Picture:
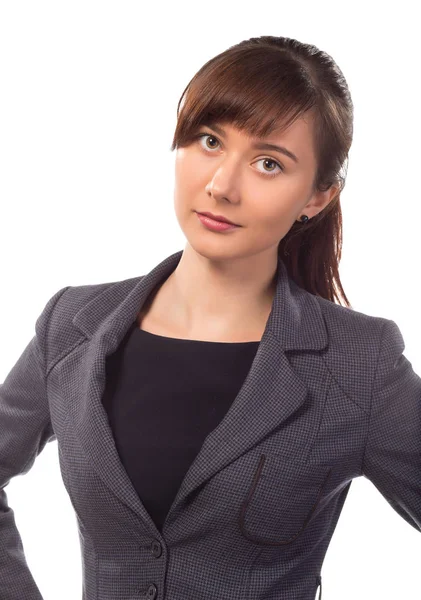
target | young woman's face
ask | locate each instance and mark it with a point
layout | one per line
(262, 190)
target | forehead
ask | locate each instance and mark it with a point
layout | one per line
(300, 132)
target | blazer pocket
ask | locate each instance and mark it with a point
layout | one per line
(282, 499)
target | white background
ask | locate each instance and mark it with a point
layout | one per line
(87, 113)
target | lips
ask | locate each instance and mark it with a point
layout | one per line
(219, 218)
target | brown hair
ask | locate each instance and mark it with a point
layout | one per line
(266, 83)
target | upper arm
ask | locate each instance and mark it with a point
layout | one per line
(392, 459)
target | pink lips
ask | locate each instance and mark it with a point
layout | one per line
(215, 225)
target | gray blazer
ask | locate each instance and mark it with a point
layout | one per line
(329, 397)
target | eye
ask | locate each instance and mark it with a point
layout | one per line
(266, 159)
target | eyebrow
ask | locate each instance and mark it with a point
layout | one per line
(261, 145)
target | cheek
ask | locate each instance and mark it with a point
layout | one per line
(276, 214)
(183, 182)
(188, 188)
(189, 170)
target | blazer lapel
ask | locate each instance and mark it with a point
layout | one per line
(272, 387)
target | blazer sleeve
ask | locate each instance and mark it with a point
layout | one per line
(25, 428)
(392, 459)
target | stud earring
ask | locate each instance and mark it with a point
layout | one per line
(303, 219)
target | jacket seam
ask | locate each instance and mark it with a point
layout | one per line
(41, 351)
(341, 388)
(47, 330)
(64, 354)
(371, 397)
(40, 358)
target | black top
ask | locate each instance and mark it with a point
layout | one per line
(163, 396)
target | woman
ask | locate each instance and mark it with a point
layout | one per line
(212, 414)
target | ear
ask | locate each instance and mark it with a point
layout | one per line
(319, 200)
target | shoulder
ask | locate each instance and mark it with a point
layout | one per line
(56, 322)
(355, 349)
(78, 296)
(346, 324)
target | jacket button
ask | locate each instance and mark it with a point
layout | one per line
(152, 592)
(156, 548)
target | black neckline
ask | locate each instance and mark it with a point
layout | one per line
(172, 339)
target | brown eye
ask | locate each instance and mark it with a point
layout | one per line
(210, 137)
(268, 160)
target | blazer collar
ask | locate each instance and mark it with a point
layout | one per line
(295, 320)
(273, 389)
